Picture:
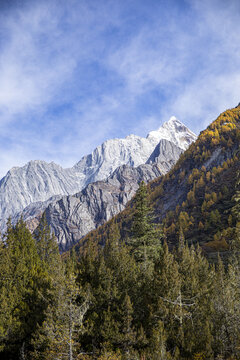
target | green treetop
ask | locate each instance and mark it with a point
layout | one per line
(146, 238)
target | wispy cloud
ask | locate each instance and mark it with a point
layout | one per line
(75, 73)
(29, 72)
(193, 64)
(47, 51)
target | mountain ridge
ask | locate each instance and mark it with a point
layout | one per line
(65, 214)
(38, 180)
(195, 196)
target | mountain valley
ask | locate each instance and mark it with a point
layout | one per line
(195, 197)
(40, 186)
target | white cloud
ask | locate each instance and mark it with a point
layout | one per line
(202, 101)
(44, 44)
(148, 60)
(192, 60)
(196, 65)
(30, 73)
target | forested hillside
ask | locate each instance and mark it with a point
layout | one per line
(141, 287)
(136, 301)
(196, 195)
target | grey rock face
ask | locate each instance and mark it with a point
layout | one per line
(72, 217)
(35, 210)
(35, 183)
(165, 155)
(133, 150)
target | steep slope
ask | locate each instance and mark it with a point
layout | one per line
(133, 150)
(196, 195)
(72, 217)
(38, 180)
(165, 154)
(174, 131)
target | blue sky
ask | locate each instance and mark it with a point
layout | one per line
(75, 73)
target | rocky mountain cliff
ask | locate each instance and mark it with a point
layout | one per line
(38, 181)
(133, 150)
(71, 217)
(195, 198)
(74, 216)
(165, 154)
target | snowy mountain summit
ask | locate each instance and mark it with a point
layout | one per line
(133, 150)
(175, 131)
(38, 181)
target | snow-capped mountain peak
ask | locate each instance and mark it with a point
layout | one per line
(38, 181)
(174, 124)
(175, 131)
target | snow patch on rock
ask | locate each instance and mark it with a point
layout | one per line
(38, 180)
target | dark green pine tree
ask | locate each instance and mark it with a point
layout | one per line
(232, 308)
(226, 312)
(181, 300)
(165, 287)
(58, 336)
(127, 334)
(110, 273)
(227, 292)
(6, 301)
(106, 305)
(158, 343)
(48, 251)
(47, 248)
(193, 304)
(24, 292)
(146, 237)
(73, 307)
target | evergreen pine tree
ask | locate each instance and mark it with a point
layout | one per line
(127, 334)
(47, 245)
(165, 288)
(196, 294)
(58, 338)
(24, 292)
(44, 341)
(146, 238)
(158, 343)
(226, 310)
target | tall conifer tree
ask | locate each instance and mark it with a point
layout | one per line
(146, 238)
(24, 289)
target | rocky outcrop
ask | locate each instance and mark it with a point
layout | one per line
(174, 131)
(133, 150)
(29, 189)
(36, 181)
(72, 217)
(165, 155)
(33, 212)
